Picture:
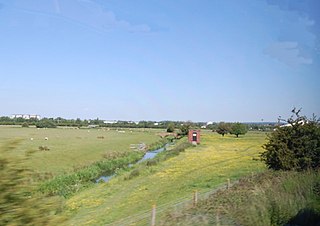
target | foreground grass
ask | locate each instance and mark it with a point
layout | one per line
(270, 198)
(201, 168)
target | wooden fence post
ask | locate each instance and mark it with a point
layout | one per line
(217, 219)
(228, 184)
(153, 216)
(195, 198)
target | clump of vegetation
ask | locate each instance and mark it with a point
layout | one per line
(25, 125)
(295, 146)
(170, 128)
(114, 155)
(44, 148)
(45, 123)
(184, 129)
(67, 184)
(134, 173)
(152, 162)
(270, 198)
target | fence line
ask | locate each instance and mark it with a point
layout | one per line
(148, 216)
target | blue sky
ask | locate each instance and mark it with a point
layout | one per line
(212, 60)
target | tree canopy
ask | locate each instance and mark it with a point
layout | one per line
(238, 129)
(223, 128)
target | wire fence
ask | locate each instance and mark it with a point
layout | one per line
(145, 217)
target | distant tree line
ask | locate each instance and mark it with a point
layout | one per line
(169, 125)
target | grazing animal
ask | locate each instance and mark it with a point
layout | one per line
(46, 138)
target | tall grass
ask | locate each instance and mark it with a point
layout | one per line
(66, 185)
(270, 198)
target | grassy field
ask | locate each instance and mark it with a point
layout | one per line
(127, 198)
(69, 147)
(124, 201)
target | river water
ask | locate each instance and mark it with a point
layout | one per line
(147, 155)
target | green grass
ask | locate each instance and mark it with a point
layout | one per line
(201, 168)
(128, 197)
(69, 148)
(269, 198)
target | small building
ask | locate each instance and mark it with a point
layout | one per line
(25, 116)
(194, 136)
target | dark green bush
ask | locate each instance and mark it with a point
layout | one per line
(295, 146)
(25, 124)
(44, 123)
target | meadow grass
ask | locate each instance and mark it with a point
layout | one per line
(69, 148)
(268, 198)
(203, 168)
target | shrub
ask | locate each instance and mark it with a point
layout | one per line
(45, 124)
(184, 129)
(295, 146)
(25, 125)
(44, 148)
(170, 128)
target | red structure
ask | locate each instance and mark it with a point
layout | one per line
(194, 136)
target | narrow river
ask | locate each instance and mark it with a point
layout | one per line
(147, 155)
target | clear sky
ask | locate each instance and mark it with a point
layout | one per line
(199, 60)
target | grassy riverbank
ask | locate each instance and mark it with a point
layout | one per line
(203, 168)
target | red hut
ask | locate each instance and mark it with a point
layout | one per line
(194, 136)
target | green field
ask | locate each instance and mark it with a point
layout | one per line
(201, 168)
(127, 198)
(69, 147)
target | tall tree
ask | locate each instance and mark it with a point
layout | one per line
(223, 128)
(238, 129)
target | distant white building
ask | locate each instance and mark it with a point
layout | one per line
(209, 123)
(25, 116)
(110, 121)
